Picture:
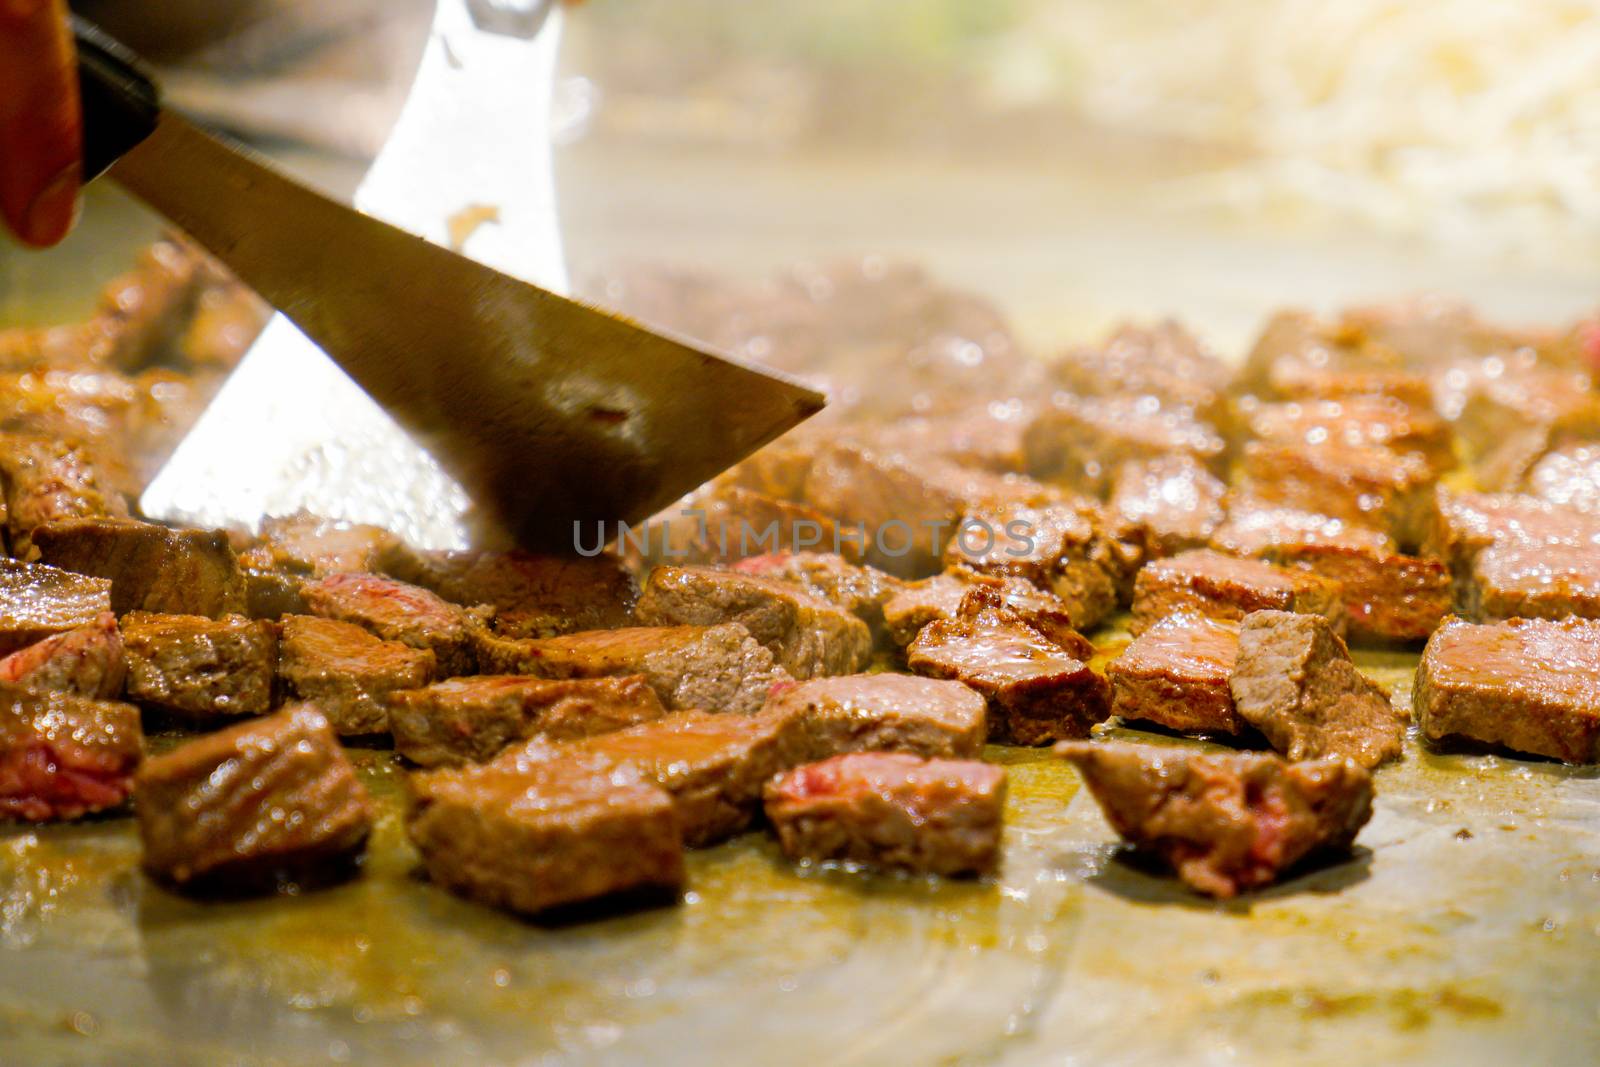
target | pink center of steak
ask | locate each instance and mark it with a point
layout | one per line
(39, 781)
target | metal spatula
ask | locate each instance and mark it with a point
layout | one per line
(546, 412)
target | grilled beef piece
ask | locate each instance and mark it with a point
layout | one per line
(1014, 600)
(725, 522)
(347, 672)
(64, 756)
(712, 765)
(87, 662)
(1036, 692)
(1296, 353)
(1081, 441)
(1175, 497)
(892, 810)
(1225, 824)
(887, 713)
(533, 596)
(718, 668)
(1468, 523)
(1164, 361)
(1524, 409)
(47, 480)
(1568, 475)
(1176, 673)
(226, 318)
(295, 548)
(808, 637)
(141, 312)
(1256, 526)
(1361, 486)
(1294, 681)
(858, 589)
(945, 596)
(469, 720)
(37, 602)
(533, 838)
(1530, 685)
(152, 568)
(1513, 580)
(202, 670)
(988, 437)
(1357, 422)
(269, 800)
(1224, 587)
(396, 611)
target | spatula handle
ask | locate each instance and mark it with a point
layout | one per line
(120, 99)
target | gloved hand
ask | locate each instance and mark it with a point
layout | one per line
(41, 130)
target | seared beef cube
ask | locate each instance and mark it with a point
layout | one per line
(1224, 587)
(1164, 361)
(533, 596)
(87, 662)
(892, 810)
(46, 480)
(469, 720)
(1512, 580)
(1081, 441)
(1530, 685)
(396, 611)
(152, 568)
(858, 589)
(887, 713)
(530, 839)
(64, 756)
(1523, 404)
(1468, 523)
(1363, 486)
(960, 592)
(1296, 351)
(1016, 600)
(142, 311)
(1056, 547)
(37, 602)
(782, 467)
(712, 765)
(1357, 422)
(1225, 824)
(1175, 674)
(988, 437)
(1294, 681)
(227, 317)
(198, 668)
(1568, 475)
(920, 603)
(347, 672)
(313, 547)
(718, 668)
(269, 799)
(1176, 497)
(724, 522)
(1256, 527)
(1307, 385)
(808, 637)
(1036, 692)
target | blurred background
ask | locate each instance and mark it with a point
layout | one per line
(1077, 161)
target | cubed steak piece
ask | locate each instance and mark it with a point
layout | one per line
(199, 669)
(1175, 674)
(1056, 547)
(1081, 441)
(949, 595)
(809, 637)
(1513, 580)
(37, 602)
(716, 668)
(347, 671)
(1530, 685)
(533, 595)
(268, 801)
(152, 568)
(397, 611)
(87, 662)
(1294, 681)
(1225, 587)
(1297, 353)
(64, 756)
(1036, 691)
(1372, 421)
(861, 590)
(1255, 526)
(892, 810)
(46, 480)
(534, 838)
(887, 713)
(722, 523)
(1164, 361)
(469, 720)
(1568, 475)
(314, 547)
(1375, 487)
(1176, 497)
(1225, 824)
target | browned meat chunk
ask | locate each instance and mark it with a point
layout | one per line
(1176, 497)
(87, 661)
(347, 672)
(152, 568)
(946, 596)
(1568, 475)
(396, 611)
(1225, 824)
(1519, 409)
(1017, 600)
(988, 437)
(1257, 526)
(892, 810)
(1468, 523)
(1176, 673)
(717, 668)
(1082, 441)
(808, 637)
(37, 602)
(268, 800)
(1358, 422)
(860, 590)
(887, 712)
(725, 522)
(313, 547)
(537, 837)
(533, 596)
(141, 311)
(1361, 486)
(198, 668)
(469, 720)
(1296, 353)
(1294, 681)
(46, 480)
(226, 319)
(1037, 693)
(1531, 685)
(1530, 581)
(1228, 588)
(63, 756)
(1164, 361)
